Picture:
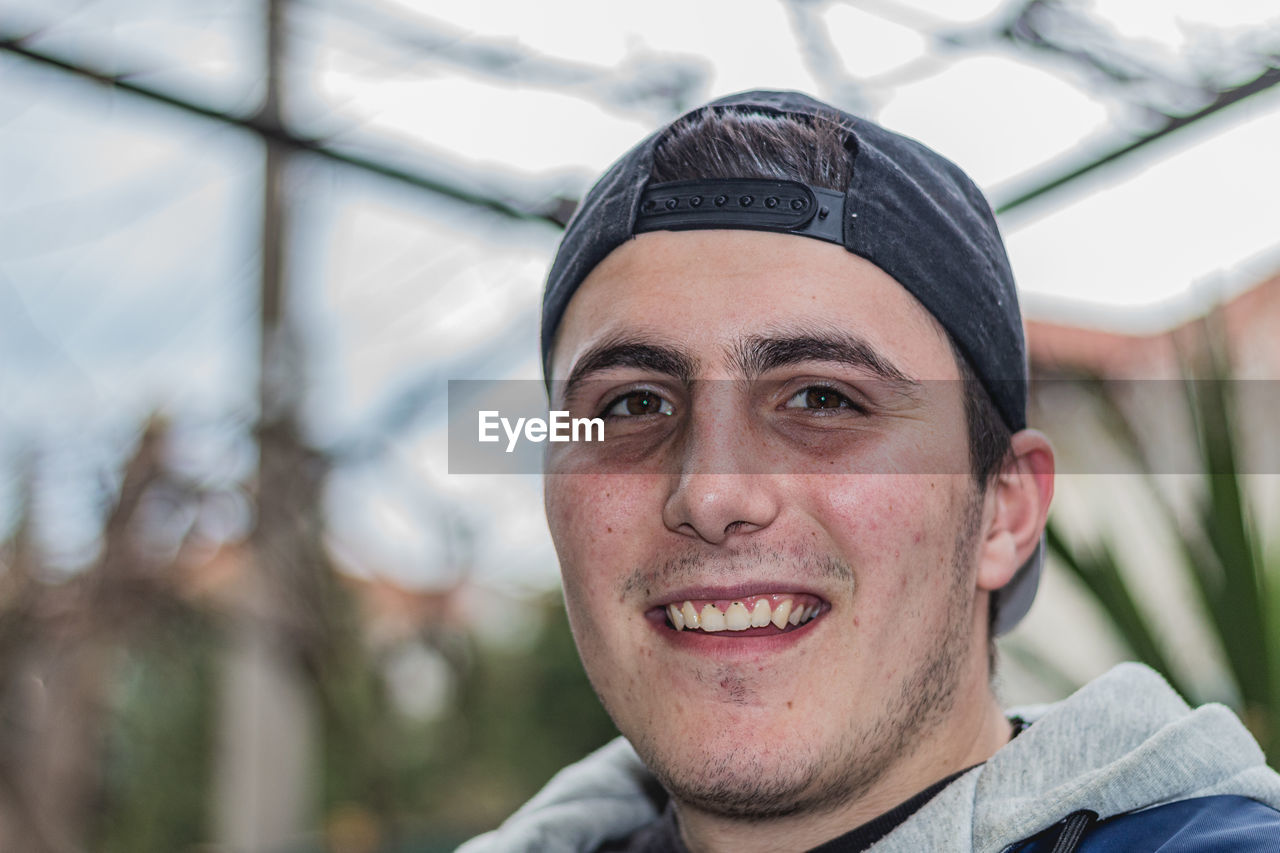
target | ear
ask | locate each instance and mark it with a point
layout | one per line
(1015, 509)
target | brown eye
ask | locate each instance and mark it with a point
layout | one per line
(639, 403)
(818, 397)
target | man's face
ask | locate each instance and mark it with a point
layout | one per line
(773, 434)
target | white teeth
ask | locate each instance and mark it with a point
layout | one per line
(737, 618)
(781, 613)
(760, 615)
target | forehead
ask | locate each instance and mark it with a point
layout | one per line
(706, 291)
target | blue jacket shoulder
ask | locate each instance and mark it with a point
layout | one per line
(1198, 825)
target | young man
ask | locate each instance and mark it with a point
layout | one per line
(816, 504)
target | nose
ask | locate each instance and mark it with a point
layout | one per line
(715, 495)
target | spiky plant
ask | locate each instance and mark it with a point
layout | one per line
(1217, 536)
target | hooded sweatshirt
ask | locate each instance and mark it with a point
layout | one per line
(1123, 748)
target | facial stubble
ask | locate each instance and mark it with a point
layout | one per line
(738, 784)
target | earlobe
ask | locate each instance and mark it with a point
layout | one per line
(1015, 509)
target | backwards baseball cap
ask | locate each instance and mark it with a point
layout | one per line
(906, 209)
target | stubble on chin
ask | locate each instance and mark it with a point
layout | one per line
(812, 778)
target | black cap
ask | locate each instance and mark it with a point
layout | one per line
(908, 210)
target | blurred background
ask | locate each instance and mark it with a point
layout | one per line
(244, 244)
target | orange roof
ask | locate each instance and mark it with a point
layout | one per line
(1251, 320)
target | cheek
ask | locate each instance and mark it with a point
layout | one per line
(603, 527)
(897, 532)
(598, 525)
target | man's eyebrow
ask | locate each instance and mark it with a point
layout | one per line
(759, 354)
(630, 352)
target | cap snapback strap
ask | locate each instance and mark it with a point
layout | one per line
(789, 207)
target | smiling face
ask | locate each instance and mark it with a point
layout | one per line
(772, 435)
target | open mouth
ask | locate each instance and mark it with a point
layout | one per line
(752, 615)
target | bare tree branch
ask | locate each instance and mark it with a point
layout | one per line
(1159, 86)
(548, 211)
(1039, 187)
(659, 86)
(823, 58)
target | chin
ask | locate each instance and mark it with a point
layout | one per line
(741, 783)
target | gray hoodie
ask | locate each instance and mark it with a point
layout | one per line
(1124, 742)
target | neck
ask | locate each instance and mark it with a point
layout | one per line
(961, 741)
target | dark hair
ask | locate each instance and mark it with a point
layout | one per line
(726, 144)
(718, 144)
